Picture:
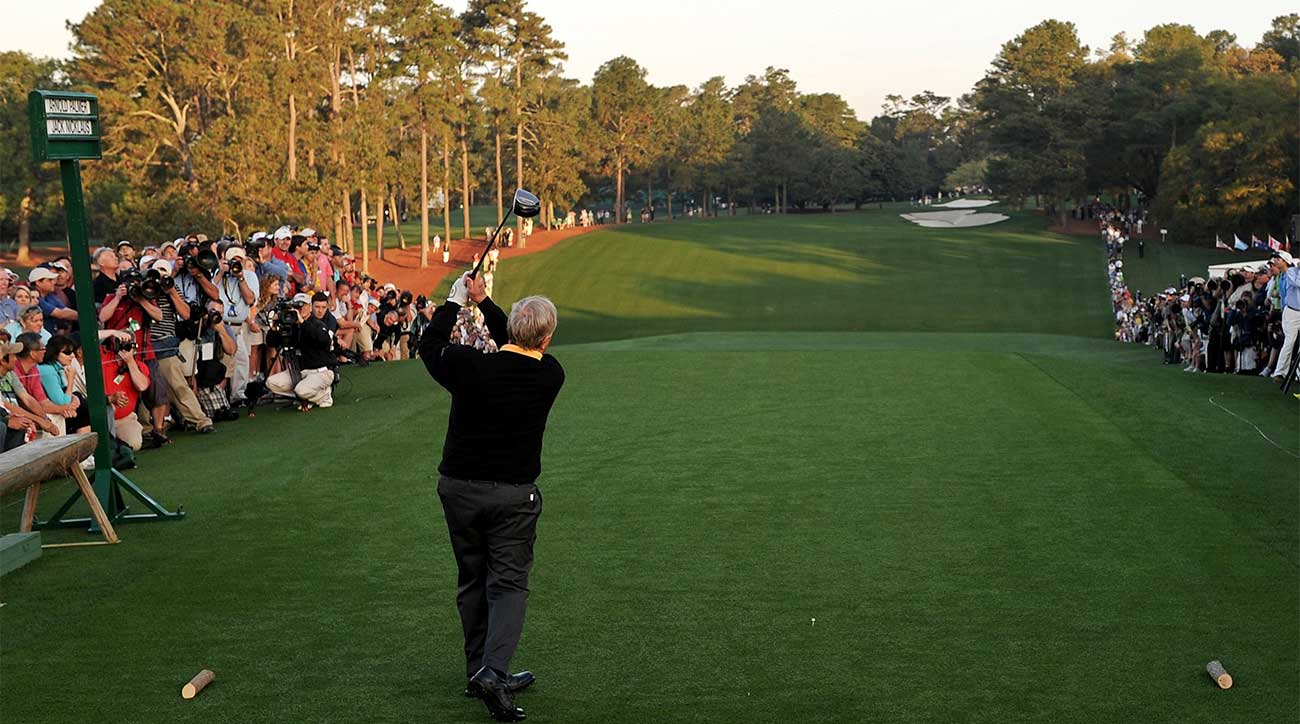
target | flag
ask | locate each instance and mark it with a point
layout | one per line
(1238, 244)
(1218, 243)
(1256, 243)
(1274, 244)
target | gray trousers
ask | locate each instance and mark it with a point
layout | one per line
(493, 527)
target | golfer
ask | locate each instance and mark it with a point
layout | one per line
(490, 463)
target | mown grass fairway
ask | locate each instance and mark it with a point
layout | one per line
(922, 439)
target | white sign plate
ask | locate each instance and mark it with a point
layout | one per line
(67, 105)
(69, 126)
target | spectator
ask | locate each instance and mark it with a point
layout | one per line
(26, 369)
(9, 308)
(20, 423)
(30, 319)
(59, 372)
(126, 254)
(106, 280)
(57, 314)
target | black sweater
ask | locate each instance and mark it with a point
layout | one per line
(499, 402)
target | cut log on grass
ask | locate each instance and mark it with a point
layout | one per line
(44, 459)
(195, 685)
(1220, 676)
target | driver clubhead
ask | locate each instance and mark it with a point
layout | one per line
(525, 205)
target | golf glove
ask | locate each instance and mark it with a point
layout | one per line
(459, 291)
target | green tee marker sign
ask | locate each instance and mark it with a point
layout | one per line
(65, 128)
(64, 125)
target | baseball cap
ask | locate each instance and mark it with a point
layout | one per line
(313, 245)
(162, 266)
(7, 348)
(301, 297)
(257, 236)
(234, 252)
(283, 233)
(63, 264)
(40, 273)
(123, 243)
(308, 231)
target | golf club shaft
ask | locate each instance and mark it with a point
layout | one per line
(491, 241)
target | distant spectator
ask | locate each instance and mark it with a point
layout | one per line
(30, 319)
(57, 314)
(9, 308)
(106, 280)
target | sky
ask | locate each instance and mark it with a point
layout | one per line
(858, 49)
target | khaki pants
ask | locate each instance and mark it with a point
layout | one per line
(314, 386)
(182, 397)
(129, 430)
(1290, 328)
(366, 338)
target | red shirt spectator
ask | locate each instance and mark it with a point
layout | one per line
(117, 379)
(130, 317)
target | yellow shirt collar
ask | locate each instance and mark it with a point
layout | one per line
(520, 350)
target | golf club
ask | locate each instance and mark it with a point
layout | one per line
(525, 206)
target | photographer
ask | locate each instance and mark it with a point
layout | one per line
(238, 287)
(214, 343)
(313, 380)
(167, 370)
(124, 379)
(127, 309)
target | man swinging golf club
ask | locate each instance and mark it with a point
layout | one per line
(490, 463)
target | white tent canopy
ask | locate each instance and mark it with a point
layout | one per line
(1219, 271)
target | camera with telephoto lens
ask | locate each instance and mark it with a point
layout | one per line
(141, 286)
(236, 266)
(405, 299)
(420, 303)
(114, 344)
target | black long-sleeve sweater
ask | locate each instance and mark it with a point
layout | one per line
(499, 402)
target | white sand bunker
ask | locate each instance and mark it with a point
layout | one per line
(965, 204)
(953, 219)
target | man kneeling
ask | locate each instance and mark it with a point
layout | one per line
(313, 381)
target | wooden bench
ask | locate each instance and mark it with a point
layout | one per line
(27, 466)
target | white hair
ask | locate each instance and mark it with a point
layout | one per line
(532, 320)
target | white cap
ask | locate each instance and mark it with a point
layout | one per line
(307, 232)
(234, 252)
(301, 297)
(166, 244)
(63, 264)
(147, 261)
(40, 273)
(179, 242)
(162, 266)
(283, 233)
(257, 235)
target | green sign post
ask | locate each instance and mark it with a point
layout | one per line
(65, 128)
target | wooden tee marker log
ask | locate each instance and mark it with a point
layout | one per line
(195, 685)
(1220, 676)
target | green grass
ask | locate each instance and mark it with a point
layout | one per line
(993, 513)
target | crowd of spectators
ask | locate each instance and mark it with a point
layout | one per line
(191, 331)
(1246, 322)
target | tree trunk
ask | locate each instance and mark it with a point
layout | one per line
(670, 205)
(25, 228)
(446, 190)
(424, 196)
(519, 143)
(785, 198)
(500, 209)
(379, 225)
(618, 193)
(365, 234)
(464, 183)
(338, 230)
(397, 227)
(348, 241)
(293, 139)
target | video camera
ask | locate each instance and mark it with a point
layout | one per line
(285, 324)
